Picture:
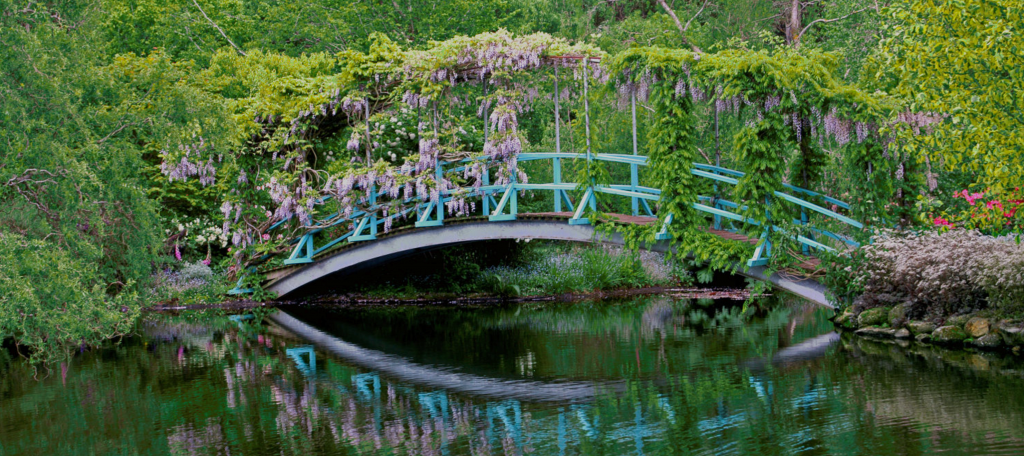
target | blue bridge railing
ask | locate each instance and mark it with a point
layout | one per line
(500, 203)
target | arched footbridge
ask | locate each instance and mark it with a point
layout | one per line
(345, 242)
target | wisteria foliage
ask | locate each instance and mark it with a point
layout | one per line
(279, 176)
(787, 97)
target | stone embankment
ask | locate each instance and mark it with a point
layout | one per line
(954, 332)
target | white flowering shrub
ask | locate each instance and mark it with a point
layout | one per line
(397, 132)
(196, 235)
(936, 272)
(196, 271)
(1002, 276)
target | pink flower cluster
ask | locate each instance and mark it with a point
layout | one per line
(970, 197)
(994, 204)
(998, 212)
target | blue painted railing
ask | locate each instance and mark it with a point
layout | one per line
(501, 203)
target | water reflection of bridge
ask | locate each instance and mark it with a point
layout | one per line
(451, 411)
(434, 420)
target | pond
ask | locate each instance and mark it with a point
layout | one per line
(650, 375)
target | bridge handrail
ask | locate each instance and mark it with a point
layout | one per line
(827, 198)
(423, 205)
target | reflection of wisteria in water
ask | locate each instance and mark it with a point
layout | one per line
(241, 386)
(370, 414)
(187, 439)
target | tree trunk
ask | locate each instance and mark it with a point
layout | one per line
(793, 27)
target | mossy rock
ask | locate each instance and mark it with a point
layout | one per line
(958, 320)
(977, 327)
(898, 314)
(902, 333)
(873, 317)
(923, 338)
(1012, 333)
(921, 327)
(949, 335)
(846, 320)
(988, 341)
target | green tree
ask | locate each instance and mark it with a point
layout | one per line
(77, 232)
(959, 67)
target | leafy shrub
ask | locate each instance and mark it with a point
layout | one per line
(54, 303)
(938, 273)
(841, 279)
(497, 285)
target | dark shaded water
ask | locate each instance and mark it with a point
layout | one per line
(646, 376)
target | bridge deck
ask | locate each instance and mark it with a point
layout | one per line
(808, 265)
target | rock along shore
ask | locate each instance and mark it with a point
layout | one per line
(960, 331)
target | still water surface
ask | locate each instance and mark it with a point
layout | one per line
(653, 375)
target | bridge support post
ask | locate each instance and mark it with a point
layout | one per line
(486, 198)
(634, 172)
(663, 234)
(241, 278)
(763, 252)
(587, 201)
(368, 221)
(806, 249)
(718, 205)
(556, 177)
(439, 177)
(437, 207)
(556, 163)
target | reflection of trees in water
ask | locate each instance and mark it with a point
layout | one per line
(651, 317)
(962, 391)
(695, 393)
(677, 333)
(648, 316)
(254, 390)
(701, 410)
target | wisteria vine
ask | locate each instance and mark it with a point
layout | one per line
(281, 180)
